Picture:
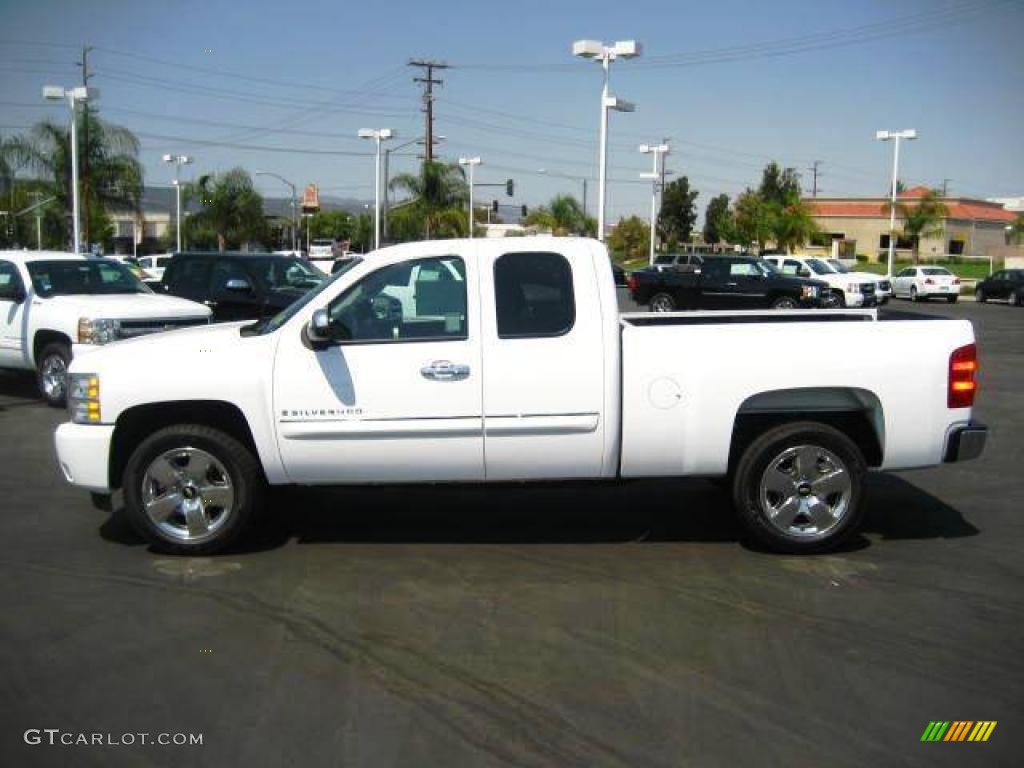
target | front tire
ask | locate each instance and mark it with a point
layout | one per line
(192, 490)
(952, 299)
(784, 302)
(834, 300)
(798, 488)
(662, 302)
(52, 373)
(913, 293)
(1015, 299)
(979, 295)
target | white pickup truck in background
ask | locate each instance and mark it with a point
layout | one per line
(507, 360)
(849, 289)
(55, 306)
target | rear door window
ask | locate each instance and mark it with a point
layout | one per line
(189, 276)
(533, 295)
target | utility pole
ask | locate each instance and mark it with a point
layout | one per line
(429, 81)
(84, 170)
(814, 170)
(945, 186)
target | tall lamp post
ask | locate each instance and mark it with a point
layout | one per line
(73, 96)
(295, 206)
(378, 135)
(178, 161)
(658, 152)
(909, 134)
(472, 162)
(606, 54)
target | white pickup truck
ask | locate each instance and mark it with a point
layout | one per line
(55, 306)
(849, 289)
(507, 360)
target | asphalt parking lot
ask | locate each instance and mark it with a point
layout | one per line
(572, 625)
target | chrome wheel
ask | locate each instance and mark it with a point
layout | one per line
(187, 494)
(805, 491)
(53, 375)
(784, 303)
(662, 303)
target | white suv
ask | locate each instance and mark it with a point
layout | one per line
(55, 306)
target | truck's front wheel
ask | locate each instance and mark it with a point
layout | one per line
(52, 373)
(663, 302)
(190, 489)
(798, 488)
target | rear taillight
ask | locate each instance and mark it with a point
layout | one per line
(956, 281)
(929, 281)
(963, 365)
(633, 282)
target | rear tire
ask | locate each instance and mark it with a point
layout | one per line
(785, 302)
(952, 299)
(798, 488)
(192, 490)
(1015, 299)
(52, 373)
(913, 293)
(662, 302)
(979, 295)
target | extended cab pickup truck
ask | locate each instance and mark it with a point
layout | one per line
(507, 360)
(725, 282)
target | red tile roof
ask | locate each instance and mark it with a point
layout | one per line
(959, 208)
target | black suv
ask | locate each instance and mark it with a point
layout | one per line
(1005, 284)
(240, 286)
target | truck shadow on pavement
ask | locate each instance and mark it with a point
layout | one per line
(20, 388)
(689, 510)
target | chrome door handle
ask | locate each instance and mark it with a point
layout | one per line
(445, 370)
(732, 285)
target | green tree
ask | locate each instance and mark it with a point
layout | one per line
(333, 224)
(231, 210)
(922, 218)
(753, 219)
(792, 224)
(562, 216)
(439, 197)
(719, 224)
(631, 238)
(779, 186)
(678, 212)
(110, 175)
(1017, 229)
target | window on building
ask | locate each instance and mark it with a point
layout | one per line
(956, 247)
(125, 228)
(149, 230)
(904, 243)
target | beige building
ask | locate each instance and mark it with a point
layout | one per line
(972, 228)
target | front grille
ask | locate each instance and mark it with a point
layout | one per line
(132, 328)
(884, 285)
(868, 289)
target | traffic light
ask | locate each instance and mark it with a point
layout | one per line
(510, 187)
(524, 210)
(494, 206)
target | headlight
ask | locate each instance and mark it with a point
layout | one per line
(853, 288)
(809, 291)
(95, 331)
(84, 398)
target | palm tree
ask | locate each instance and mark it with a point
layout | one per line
(439, 195)
(562, 216)
(110, 174)
(923, 219)
(792, 223)
(230, 208)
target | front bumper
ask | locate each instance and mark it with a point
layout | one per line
(965, 442)
(83, 454)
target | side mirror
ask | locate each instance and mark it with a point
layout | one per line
(319, 328)
(803, 273)
(238, 285)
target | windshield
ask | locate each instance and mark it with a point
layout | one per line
(68, 277)
(935, 271)
(289, 274)
(819, 267)
(839, 267)
(282, 317)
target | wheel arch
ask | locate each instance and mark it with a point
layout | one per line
(135, 424)
(855, 412)
(44, 337)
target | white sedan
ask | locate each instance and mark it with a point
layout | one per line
(920, 283)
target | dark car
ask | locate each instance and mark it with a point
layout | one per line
(240, 286)
(725, 282)
(1005, 284)
(619, 275)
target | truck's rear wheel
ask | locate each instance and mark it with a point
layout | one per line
(798, 488)
(784, 302)
(663, 302)
(190, 489)
(52, 373)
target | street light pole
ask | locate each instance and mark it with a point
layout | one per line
(472, 162)
(295, 206)
(606, 54)
(908, 134)
(72, 96)
(657, 152)
(178, 161)
(378, 135)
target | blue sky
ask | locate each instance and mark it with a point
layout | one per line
(516, 97)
